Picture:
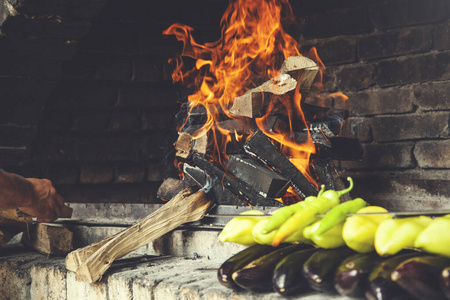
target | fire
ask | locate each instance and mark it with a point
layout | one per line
(250, 51)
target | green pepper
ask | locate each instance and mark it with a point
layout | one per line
(239, 229)
(308, 214)
(359, 231)
(260, 236)
(435, 238)
(330, 239)
(394, 235)
(338, 214)
(282, 214)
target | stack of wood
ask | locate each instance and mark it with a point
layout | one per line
(257, 172)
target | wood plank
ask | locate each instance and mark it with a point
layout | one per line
(185, 207)
(260, 146)
(48, 239)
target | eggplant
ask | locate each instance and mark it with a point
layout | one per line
(239, 260)
(287, 277)
(420, 276)
(320, 268)
(380, 285)
(257, 275)
(445, 282)
(352, 274)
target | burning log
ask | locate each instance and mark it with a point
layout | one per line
(260, 147)
(329, 176)
(48, 239)
(186, 144)
(302, 69)
(262, 179)
(239, 188)
(92, 261)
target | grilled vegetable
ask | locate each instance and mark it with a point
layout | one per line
(420, 276)
(445, 282)
(359, 231)
(308, 215)
(240, 260)
(287, 277)
(257, 275)
(338, 214)
(394, 235)
(351, 278)
(381, 286)
(432, 239)
(239, 229)
(320, 268)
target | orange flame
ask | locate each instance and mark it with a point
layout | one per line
(251, 49)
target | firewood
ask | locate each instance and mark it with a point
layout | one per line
(186, 144)
(329, 176)
(171, 187)
(185, 207)
(251, 103)
(265, 181)
(260, 146)
(48, 239)
(302, 69)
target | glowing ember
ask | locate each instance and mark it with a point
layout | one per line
(252, 47)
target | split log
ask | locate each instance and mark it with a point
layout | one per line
(251, 103)
(222, 195)
(329, 176)
(186, 144)
(183, 208)
(260, 146)
(171, 187)
(48, 239)
(302, 69)
(265, 181)
(239, 188)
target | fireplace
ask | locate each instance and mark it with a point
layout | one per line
(88, 100)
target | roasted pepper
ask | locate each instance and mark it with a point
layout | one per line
(239, 229)
(435, 238)
(359, 231)
(307, 215)
(338, 214)
(394, 235)
(330, 239)
(282, 214)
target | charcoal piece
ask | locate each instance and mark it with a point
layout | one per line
(329, 176)
(267, 182)
(260, 146)
(223, 196)
(239, 188)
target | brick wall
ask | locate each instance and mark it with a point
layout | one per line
(88, 102)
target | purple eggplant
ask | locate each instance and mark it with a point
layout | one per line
(445, 282)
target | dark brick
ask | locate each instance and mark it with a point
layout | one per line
(337, 22)
(433, 154)
(29, 67)
(109, 149)
(119, 193)
(412, 126)
(14, 136)
(158, 172)
(92, 121)
(159, 145)
(21, 113)
(84, 94)
(45, 27)
(129, 173)
(155, 120)
(355, 77)
(396, 42)
(61, 173)
(146, 96)
(125, 121)
(414, 69)
(397, 13)
(442, 36)
(381, 101)
(54, 148)
(114, 68)
(357, 128)
(433, 96)
(113, 38)
(148, 70)
(384, 156)
(306, 7)
(66, 8)
(93, 174)
(13, 157)
(154, 43)
(336, 51)
(86, 8)
(38, 48)
(54, 120)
